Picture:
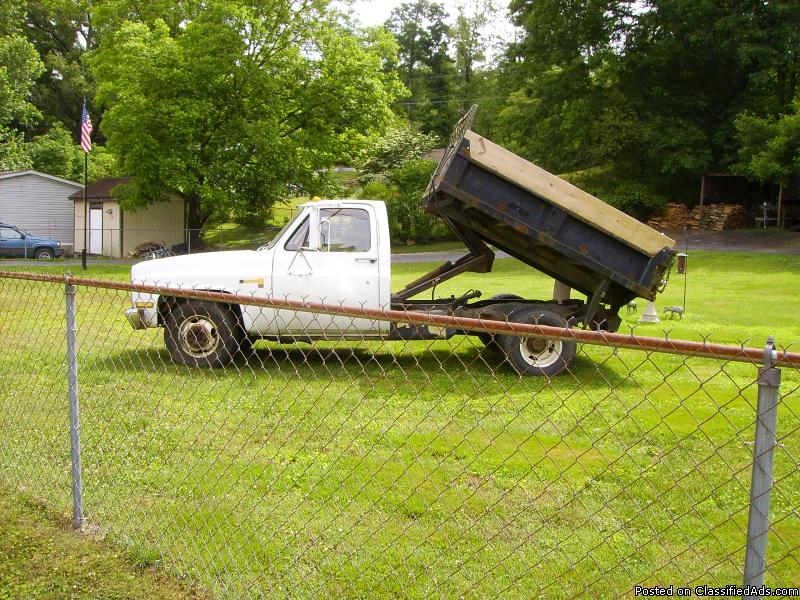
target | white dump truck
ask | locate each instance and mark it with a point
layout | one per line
(337, 253)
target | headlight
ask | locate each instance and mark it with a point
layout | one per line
(58, 243)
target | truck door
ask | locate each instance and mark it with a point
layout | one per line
(331, 259)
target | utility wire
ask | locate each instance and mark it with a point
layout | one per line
(448, 101)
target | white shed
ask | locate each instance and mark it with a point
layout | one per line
(39, 204)
(112, 231)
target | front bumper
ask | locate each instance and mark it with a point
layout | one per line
(136, 318)
(59, 252)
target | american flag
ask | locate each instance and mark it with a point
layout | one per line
(86, 129)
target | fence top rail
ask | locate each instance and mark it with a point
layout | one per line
(704, 349)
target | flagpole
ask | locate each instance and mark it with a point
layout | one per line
(85, 207)
(86, 145)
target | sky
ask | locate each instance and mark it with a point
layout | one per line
(376, 12)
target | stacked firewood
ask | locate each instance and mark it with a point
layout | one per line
(719, 217)
(674, 216)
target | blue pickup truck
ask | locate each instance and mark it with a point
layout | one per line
(17, 244)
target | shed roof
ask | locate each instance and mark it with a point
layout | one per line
(12, 174)
(101, 189)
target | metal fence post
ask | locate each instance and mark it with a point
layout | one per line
(769, 381)
(74, 423)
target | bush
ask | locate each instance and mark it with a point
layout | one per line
(402, 193)
(636, 198)
(397, 147)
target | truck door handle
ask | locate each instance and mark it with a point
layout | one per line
(366, 259)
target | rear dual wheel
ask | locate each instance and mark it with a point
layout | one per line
(490, 339)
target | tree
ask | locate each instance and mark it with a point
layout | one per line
(467, 37)
(13, 151)
(561, 73)
(61, 32)
(424, 65)
(770, 148)
(646, 93)
(402, 189)
(395, 148)
(19, 68)
(241, 104)
(55, 153)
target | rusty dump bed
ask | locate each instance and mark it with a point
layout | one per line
(490, 195)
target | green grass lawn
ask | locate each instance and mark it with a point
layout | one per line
(43, 558)
(380, 469)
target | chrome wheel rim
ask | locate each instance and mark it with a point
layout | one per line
(198, 336)
(540, 352)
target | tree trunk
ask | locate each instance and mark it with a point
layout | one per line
(195, 219)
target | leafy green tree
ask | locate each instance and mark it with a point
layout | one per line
(396, 147)
(392, 168)
(61, 32)
(468, 37)
(236, 105)
(13, 151)
(402, 190)
(19, 68)
(424, 64)
(57, 154)
(770, 148)
(561, 73)
(769, 52)
(647, 91)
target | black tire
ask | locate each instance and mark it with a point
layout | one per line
(44, 254)
(490, 339)
(202, 334)
(536, 356)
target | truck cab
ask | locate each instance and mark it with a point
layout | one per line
(334, 252)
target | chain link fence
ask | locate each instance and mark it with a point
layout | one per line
(369, 467)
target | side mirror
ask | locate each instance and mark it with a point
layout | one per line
(324, 235)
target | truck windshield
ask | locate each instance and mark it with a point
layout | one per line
(286, 227)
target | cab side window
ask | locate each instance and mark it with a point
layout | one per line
(344, 230)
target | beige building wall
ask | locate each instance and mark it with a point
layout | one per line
(159, 222)
(112, 243)
(111, 226)
(78, 246)
(123, 230)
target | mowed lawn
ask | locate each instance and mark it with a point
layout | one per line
(382, 469)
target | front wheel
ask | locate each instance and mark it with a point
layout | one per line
(44, 254)
(202, 334)
(538, 356)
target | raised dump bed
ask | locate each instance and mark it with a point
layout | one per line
(490, 195)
